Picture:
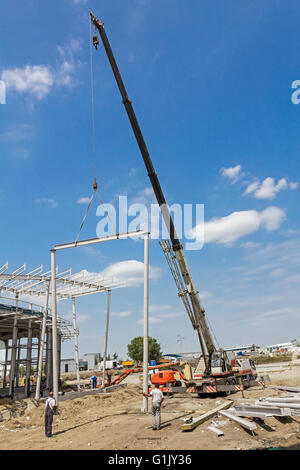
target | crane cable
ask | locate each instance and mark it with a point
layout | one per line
(95, 185)
(92, 101)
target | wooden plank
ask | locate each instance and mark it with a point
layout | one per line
(205, 416)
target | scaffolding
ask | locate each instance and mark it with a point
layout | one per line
(29, 329)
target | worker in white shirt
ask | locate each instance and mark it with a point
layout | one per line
(49, 412)
(157, 399)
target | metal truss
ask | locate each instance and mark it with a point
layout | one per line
(37, 283)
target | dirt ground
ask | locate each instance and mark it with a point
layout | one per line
(114, 421)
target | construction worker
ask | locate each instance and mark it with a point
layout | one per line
(94, 381)
(157, 399)
(49, 412)
(109, 377)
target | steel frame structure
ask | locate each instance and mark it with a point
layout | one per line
(17, 322)
(55, 293)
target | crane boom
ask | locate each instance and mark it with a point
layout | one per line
(197, 313)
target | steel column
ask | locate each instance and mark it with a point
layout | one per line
(76, 343)
(28, 359)
(106, 337)
(42, 343)
(48, 358)
(13, 359)
(18, 362)
(146, 322)
(54, 326)
(5, 364)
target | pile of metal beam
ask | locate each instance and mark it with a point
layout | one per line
(290, 403)
(260, 411)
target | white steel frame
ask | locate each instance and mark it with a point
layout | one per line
(54, 294)
(67, 286)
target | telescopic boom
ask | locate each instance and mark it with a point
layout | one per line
(190, 294)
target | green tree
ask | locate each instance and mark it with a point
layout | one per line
(136, 346)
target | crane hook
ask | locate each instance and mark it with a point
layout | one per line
(95, 41)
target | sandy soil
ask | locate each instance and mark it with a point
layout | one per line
(114, 421)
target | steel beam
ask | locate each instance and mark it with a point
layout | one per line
(242, 422)
(216, 430)
(285, 389)
(295, 406)
(247, 410)
(92, 241)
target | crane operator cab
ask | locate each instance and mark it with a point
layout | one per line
(221, 362)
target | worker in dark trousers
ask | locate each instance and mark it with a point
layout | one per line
(109, 377)
(94, 381)
(49, 412)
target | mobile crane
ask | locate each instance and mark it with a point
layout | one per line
(218, 367)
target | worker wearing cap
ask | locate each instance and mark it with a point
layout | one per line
(49, 412)
(157, 399)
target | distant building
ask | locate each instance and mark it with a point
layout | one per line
(280, 347)
(92, 359)
(89, 361)
(293, 345)
(67, 365)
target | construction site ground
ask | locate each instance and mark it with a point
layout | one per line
(114, 421)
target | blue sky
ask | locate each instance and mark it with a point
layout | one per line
(210, 83)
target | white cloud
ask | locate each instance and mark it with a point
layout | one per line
(133, 172)
(83, 200)
(252, 187)
(38, 80)
(205, 295)
(233, 173)
(250, 245)
(285, 311)
(34, 79)
(145, 196)
(170, 315)
(226, 230)
(121, 314)
(268, 189)
(131, 272)
(151, 320)
(45, 200)
(82, 318)
(65, 73)
(159, 308)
